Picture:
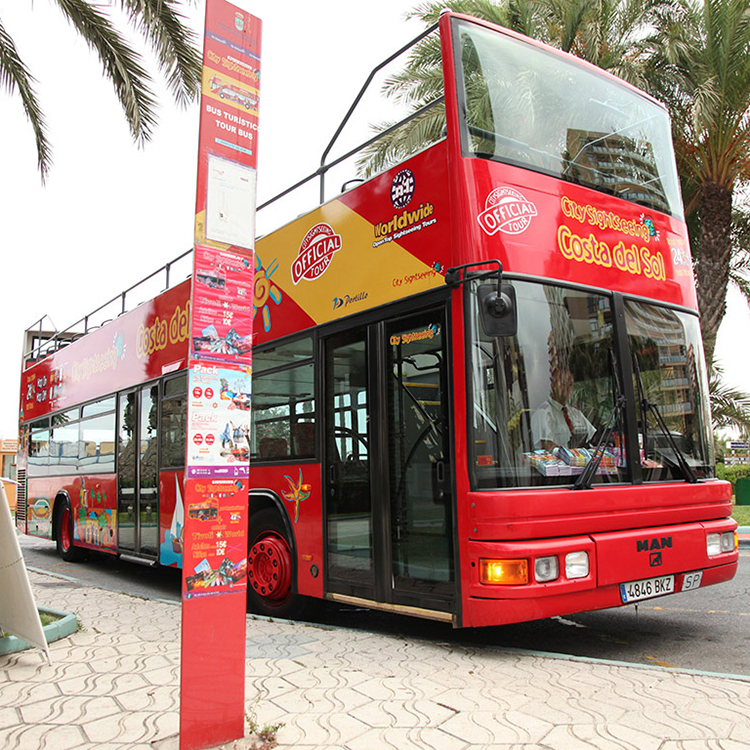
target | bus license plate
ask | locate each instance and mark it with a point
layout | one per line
(692, 580)
(646, 588)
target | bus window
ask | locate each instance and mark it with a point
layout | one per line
(174, 422)
(527, 107)
(281, 356)
(541, 397)
(64, 443)
(97, 452)
(176, 386)
(99, 407)
(39, 448)
(669, 371)
(283, 424)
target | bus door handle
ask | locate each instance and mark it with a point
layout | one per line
(332, 475)
(440, 472)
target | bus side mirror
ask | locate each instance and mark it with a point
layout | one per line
(497, 309)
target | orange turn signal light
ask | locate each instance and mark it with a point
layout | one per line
(504, 572)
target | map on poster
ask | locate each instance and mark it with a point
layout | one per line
(222, 306)
(230, 202)
(219, 421)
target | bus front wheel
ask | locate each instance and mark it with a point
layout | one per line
(64, 533)
(271, 588)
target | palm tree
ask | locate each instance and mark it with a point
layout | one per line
(700, 67)
(159, 22)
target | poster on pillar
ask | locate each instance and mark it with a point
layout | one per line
(214, 574)
(221, 312)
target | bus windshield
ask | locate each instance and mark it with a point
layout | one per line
(522, 107)
(541, 400)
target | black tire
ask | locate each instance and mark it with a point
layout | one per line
(64, 533)
(271, 572)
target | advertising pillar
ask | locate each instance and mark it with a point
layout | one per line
(214, 573)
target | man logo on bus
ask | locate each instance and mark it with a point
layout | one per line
(507, 211)
(315, 253)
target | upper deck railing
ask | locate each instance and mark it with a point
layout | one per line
(40, 342)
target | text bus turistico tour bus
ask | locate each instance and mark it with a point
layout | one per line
(479, 393)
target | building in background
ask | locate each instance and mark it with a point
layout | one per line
(8, 451)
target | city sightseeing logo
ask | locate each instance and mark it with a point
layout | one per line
(506, 210)
(315, 253)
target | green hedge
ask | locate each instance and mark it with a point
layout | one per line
(732, 473)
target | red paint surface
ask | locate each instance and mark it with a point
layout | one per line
(93, 503)
(305, 517)
(214, 572)
(212, 684)
(145, 343)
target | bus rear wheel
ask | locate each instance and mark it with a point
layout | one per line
(64, 533)
(271, 588)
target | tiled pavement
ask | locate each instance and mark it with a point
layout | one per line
(115, 684)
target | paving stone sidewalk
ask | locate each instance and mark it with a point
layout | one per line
(114, 684)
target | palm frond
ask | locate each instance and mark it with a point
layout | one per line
(14, 76)
(120, 63)
(405, 140)
(730, 407)
(161, 24)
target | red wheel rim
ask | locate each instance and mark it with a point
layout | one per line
(270, 568)
(65, 536)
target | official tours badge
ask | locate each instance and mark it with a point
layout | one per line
(506, 210)
(315, 253)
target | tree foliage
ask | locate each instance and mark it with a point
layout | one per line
(158, 22)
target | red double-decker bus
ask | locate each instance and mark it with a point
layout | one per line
(479, 392)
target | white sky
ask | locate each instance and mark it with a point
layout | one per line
(111, 213)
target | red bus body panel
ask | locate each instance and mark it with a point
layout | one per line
(145, 343)
(298, 487)
(93, 504)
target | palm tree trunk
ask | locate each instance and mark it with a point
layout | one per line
(712, 260)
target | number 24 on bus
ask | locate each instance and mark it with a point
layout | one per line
(494, 414)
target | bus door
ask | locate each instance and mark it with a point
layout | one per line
(137, 472)
(419, 476)
(348, 445)
(388, 498)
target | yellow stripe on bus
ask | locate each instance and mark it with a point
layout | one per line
(359, 276)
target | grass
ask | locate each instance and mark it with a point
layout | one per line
(45, 617)
(741, 514)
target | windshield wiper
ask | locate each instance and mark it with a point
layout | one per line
(592, 465)
(647, 406)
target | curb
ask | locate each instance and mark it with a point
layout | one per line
(66, 625)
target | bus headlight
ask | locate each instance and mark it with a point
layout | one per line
(546, 569)
(716, 544)
(504, 572)
(576, 564)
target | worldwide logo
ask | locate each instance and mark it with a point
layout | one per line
(506, 210)
(315, 253)
(402, 188)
